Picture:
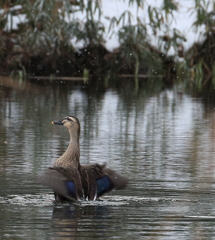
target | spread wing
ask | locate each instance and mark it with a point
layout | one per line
(110, 180)
(98, 180)
(63, 181)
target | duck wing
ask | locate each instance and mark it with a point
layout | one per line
(64, 181)
(117, 180)
(98, 180)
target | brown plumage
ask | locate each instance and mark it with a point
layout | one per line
(72, 181)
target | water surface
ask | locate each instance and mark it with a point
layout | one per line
(161, 140)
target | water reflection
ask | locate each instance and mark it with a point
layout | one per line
(162, 140)
(70, 220)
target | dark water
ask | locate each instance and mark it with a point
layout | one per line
(162, 140)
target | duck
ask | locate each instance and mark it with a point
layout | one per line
(72, 181)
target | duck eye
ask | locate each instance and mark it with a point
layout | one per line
(67, 119)
(70, 119)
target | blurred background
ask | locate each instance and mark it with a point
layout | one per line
(164, 38)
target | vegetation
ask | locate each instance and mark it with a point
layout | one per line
(46, 38)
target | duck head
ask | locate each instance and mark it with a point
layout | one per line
(69, 122)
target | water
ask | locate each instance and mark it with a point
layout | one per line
(161, 140)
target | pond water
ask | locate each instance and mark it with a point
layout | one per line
(163, 141)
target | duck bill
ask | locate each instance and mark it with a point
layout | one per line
(57, 123)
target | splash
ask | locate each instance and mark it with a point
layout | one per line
(113, 200)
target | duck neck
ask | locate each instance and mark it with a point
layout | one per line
(72, 154)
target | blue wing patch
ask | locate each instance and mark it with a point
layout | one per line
(71, 188)
(104, 185)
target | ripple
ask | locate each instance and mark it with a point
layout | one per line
(113, 200)
(199, 218)
(136, 199)
(28, 199)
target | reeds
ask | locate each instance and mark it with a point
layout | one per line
(46, 40)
